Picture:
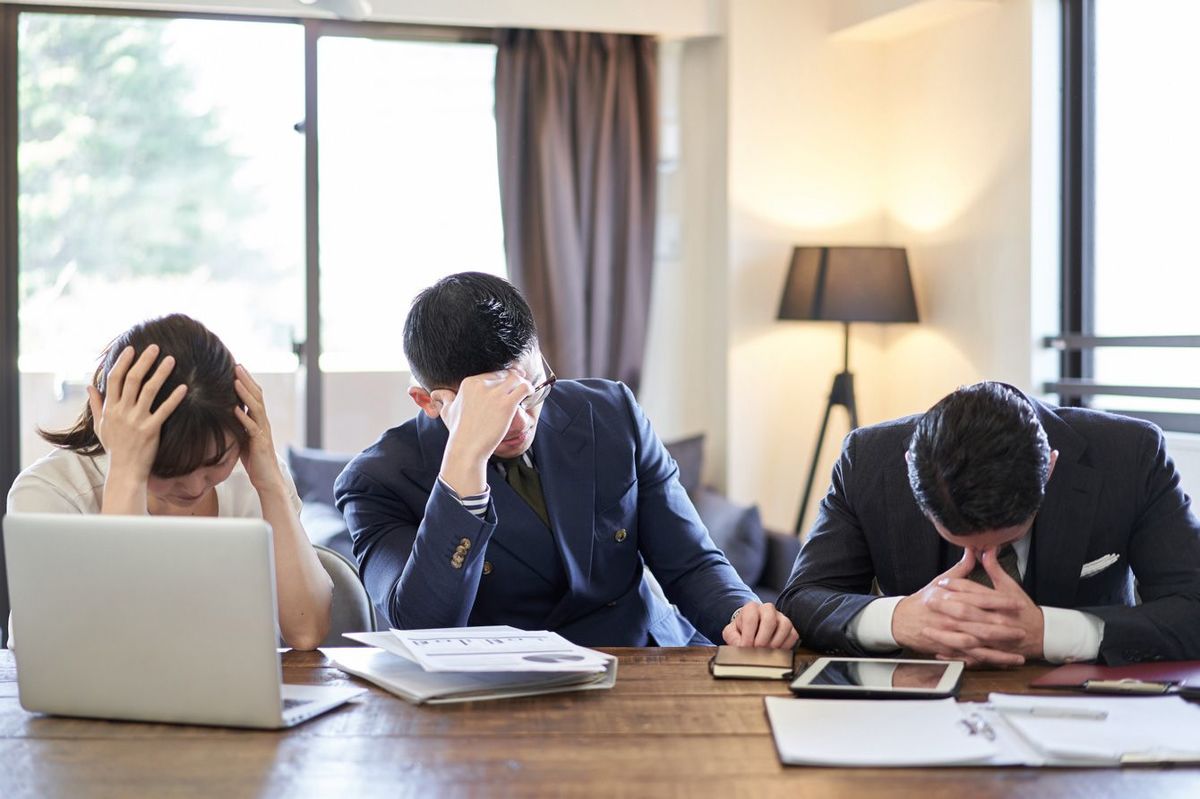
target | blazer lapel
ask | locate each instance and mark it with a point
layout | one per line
(1063, 526)
(564, 452)
(520, 531)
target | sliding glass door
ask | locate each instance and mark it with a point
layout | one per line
(408, 193)
(159, 171)
(162, 168)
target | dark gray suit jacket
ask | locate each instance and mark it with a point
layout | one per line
(1114, 490)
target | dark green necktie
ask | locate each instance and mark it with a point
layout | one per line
(1007, 558)
(525, 481)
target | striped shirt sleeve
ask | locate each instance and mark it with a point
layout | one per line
(476, 504)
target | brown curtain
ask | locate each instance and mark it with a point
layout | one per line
(576, 120)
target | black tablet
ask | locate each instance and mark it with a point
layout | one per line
(879, 678)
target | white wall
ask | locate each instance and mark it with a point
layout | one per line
(958, 110)
(683, 385)
(806, 166)
(934, 140)
(1185, 450)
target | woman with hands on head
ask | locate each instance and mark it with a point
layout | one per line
(173, 426)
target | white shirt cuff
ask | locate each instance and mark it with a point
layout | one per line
(1070, 635)
(872, 627)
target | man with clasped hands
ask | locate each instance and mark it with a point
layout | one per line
(1000, 530)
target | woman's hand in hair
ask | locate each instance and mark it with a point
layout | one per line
(304, 589)
(124, 423)
(259, 458)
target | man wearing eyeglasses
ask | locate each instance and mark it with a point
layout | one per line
(517, 498)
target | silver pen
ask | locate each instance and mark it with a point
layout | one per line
(1052, 711)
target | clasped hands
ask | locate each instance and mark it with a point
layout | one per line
(954, 618)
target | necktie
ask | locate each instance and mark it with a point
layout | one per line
(525, 481)
(1007, 558)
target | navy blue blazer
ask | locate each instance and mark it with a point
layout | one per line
(615, 505)
(1114, 490)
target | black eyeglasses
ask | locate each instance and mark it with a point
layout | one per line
(541, 390)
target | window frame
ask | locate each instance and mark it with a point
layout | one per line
(1077, 340)
(309, 350)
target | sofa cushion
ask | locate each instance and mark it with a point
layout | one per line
(314, 471)
(737, 530)
(325, 526)
(781, 552)
(689, 454)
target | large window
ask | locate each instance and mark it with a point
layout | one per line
(156, 177)
(409, 193)
(1133, 270)
(161, 165)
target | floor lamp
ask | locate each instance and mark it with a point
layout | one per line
(845, 284)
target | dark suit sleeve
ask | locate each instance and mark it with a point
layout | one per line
(830, 583)
(1164, 554)
(404, 553)
(693, 572)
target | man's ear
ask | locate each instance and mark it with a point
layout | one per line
(431, 406)
(1053, 460)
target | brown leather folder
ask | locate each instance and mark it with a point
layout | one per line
(1160, 677)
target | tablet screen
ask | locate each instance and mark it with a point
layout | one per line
(880, 674)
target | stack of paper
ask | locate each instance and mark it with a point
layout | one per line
(1007, 730)
(473, 663)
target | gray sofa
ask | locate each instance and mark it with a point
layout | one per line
(763, 558)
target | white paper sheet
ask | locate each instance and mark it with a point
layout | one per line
(942, 732)
(497, 649)
(858, 732)
(1135, 729)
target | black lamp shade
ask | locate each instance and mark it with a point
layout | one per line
(849, 284)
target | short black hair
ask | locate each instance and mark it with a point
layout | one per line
(979, 459)
(466, 324)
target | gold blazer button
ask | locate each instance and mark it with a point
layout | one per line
(620, 535)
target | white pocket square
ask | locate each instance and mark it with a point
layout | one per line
(1098, 565)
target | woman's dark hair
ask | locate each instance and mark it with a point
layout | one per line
(979, 459)
(196, 433)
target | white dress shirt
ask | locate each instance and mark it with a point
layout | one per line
(1067, 636)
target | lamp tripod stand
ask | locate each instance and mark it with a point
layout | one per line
(842, 393)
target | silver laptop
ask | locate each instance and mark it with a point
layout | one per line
(151, 619)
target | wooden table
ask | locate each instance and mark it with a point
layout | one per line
(666, 729)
